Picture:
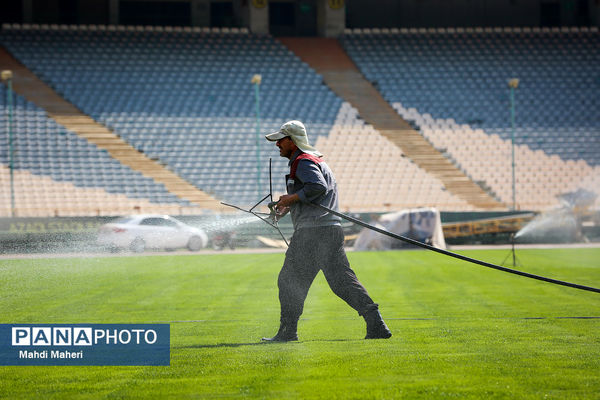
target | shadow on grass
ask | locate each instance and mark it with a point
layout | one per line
(224, 345)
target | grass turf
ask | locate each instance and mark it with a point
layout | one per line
(460, 330)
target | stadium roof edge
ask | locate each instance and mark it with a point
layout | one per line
(471, 30)
(356, 31)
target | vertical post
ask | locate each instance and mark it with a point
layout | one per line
(7, 76)
(514, 256)
(113, 12)
(256, 79)
(513, 84)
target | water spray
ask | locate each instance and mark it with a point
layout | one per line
(225, 224)
(273, 217)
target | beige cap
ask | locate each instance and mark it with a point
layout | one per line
(297, 132)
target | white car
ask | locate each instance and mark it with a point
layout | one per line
(139, 232)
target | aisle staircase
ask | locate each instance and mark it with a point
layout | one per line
(28, 85)
(328, 58)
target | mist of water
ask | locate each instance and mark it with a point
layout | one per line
(563, 224)
(84, 242)
(558, 225)
(225, 223)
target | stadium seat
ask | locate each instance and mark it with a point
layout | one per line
(464, 76)
(373, 175)
(487, 159)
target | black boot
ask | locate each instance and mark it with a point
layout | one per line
(376, 327)
(287, 332)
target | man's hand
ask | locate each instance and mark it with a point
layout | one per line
(283, 205)
(286, 201)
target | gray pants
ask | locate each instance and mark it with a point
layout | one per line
(312, 250)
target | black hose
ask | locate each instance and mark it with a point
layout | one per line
(460, 257)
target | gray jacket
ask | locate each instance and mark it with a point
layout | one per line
(314, 183)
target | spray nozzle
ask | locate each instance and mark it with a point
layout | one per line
(272, 206)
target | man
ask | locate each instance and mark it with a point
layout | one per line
(318, 240)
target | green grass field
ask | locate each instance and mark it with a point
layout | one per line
(460, 330)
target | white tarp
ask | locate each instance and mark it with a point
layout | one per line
(422, 224)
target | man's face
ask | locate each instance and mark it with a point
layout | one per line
(286, 147)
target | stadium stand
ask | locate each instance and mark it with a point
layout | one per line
(374, 174)
(28, 85)
(44, 148)
(342, 76)
(42, 196)
(487, 158)
(452, 84)
(182, 96)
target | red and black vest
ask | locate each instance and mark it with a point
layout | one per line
(290, 180)
(303, 156)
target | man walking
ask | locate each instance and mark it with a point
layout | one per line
(318, 240)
